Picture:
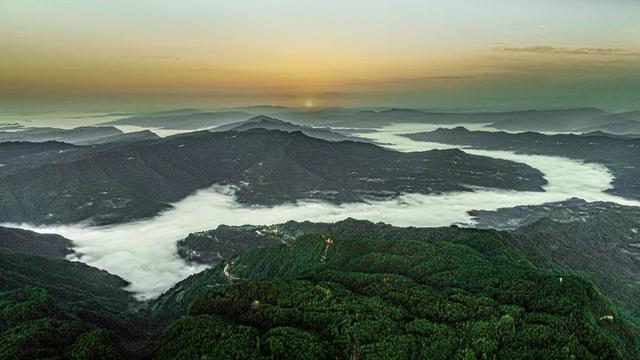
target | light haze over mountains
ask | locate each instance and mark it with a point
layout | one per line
(335, 179)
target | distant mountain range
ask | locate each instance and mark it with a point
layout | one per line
(182, 119)
(265, 122)
(87, 135)
(620, 154)
(562, 120)
(61, 183)
(570, 120)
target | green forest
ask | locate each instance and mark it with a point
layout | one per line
(350, 290)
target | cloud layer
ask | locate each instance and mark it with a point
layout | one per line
(144, 252)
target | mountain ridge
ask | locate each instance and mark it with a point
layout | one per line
(618, 154)
(120, 182)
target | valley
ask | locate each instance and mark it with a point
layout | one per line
(112, 248)
(319, 180)
(618, 154)
(125, 181)
(189, 251)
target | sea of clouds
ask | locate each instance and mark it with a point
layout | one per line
(144, 252)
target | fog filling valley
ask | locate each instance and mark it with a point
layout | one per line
(144, 252)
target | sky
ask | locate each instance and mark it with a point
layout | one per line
(72, 55)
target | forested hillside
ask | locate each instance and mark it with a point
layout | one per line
(352, 289)
(18, 241)
(375, 291)
(620, 154)
(598, 241)
(117, 182)
(61, 309)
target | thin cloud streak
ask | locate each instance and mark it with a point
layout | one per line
(409, 81)
(548, 49)
(152, 57)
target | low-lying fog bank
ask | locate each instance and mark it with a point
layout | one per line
(144, 252)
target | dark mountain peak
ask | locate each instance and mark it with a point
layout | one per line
(18, 241)
(457, 129)
(285, 134)
(191, 134)
(589, 109)
(266, 120)
(352, 221)
(452, 152)
(574, 201)
(366, 112)
(146, 133)
(259, 121)
(142, 135)
(96, 128)
(82, 135)
(583, 110)
(42, 144)
(400, 111)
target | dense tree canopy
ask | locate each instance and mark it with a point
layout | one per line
(331, 291)
(450, 296)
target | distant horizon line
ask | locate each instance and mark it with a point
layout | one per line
(150, 109)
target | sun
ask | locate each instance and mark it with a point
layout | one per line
(308, 103)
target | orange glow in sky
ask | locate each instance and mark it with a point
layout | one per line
(456, 53)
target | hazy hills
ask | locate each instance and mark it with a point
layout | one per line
(561, 120)
(564, 120)
(195, 119)
(619, 154)
(573, 120)
(265, 122)
(569, 120)
(79, 136)
(124, 181)
(182, 119)
(556, 120)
